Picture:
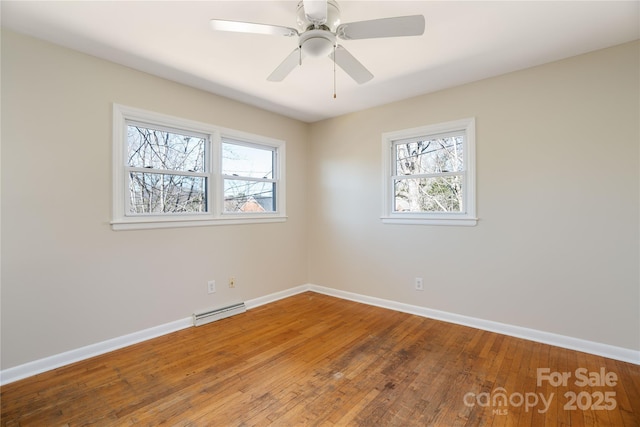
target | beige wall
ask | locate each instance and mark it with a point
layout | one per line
(556, 247)
(68, 280)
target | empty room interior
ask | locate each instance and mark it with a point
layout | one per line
(320, 213)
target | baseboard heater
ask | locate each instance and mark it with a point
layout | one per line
(209, 316)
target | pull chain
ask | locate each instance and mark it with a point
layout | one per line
(334, 71)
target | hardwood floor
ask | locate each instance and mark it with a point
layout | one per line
(316, 360)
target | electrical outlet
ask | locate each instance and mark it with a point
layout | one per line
(211, 286)
(419, 284)
(232, 282)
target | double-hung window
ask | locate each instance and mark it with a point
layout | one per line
(429, 174)
(172, 172)
(168, 170)
(249, 174)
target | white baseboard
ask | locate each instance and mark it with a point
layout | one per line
(257, 302)
(605, 350)
(48, 363)
(52, 362)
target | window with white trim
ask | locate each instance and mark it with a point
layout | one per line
(168, 170)
(429, 174)
(172, 172)
(249, 172)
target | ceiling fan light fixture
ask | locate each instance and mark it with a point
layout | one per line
(317, 43)
(317, 47)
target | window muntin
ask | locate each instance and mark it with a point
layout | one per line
(429, 174)
(249, 175)
(168, 172)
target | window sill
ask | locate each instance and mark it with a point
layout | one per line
(465, 222)
(147, 223)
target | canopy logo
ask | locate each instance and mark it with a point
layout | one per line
(500, 401)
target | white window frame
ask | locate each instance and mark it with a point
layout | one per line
(123, 220)
(227, 139)
(466, 218)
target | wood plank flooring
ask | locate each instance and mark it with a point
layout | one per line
(316, 360)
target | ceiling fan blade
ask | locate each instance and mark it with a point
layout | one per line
(315, 11)
(412, 25)
(249, 27)
(286, 67)
(351, 65)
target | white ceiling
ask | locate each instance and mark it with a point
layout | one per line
(463, 42)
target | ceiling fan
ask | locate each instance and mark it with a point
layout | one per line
(319, 25)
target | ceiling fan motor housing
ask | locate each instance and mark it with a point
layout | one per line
(332, 21)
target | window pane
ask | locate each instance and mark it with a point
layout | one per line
(156, 149)
(441, 194)
(434, 155)
(160, 193)
(248, 196)
(250, 162)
